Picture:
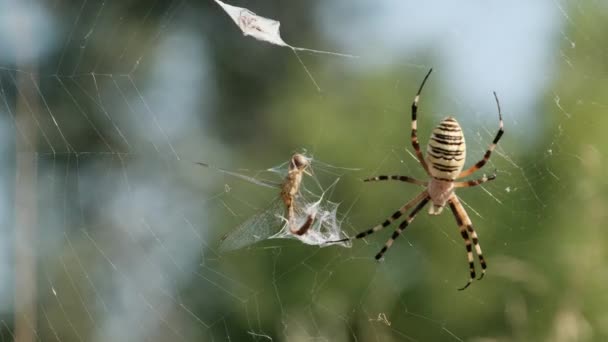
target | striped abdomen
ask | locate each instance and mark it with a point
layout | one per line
(446, 150)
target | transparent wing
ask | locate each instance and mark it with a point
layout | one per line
(253, 180)
(258, 227)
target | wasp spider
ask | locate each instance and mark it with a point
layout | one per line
(444, 162)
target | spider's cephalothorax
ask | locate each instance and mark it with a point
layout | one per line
(445, 154)
(443, 164)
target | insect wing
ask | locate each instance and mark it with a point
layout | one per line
(258, 227)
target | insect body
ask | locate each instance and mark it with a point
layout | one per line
(444, 161)
(291, 188)
(289, 201)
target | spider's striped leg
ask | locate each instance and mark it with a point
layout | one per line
(397, 214)
(466, 228)
(475, 182)
(486, 156)
(414, 137)
(395, 177)
(402, 227)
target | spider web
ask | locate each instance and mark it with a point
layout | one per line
(112, 231)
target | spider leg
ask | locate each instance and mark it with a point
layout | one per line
(402, 227)
(397, 214)
(395, 177)
(414, 136)
(476, 182)
(488, 153)
(466, 228)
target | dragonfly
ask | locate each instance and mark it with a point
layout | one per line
(299, 214)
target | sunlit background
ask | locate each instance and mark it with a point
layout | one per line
(111, 231)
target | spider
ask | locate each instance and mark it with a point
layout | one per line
(444, 162)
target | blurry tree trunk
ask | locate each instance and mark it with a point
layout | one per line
(26, 209)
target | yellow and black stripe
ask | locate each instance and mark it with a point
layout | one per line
(422, 197)
(402, 227)
(396, 177)
(488, 153)
(470, 238)
(446, 150)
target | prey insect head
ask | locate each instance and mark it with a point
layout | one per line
(299, 162)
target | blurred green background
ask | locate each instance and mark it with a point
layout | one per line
(110, 232)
